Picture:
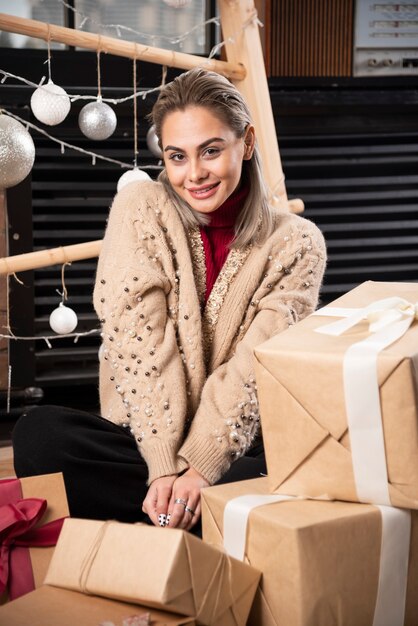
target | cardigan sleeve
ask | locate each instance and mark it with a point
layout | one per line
(142, 381)
(227, 420)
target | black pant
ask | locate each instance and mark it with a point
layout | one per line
(105, 475)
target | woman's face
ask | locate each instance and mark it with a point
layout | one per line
(203, 157)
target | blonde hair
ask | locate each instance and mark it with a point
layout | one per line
(201, 88)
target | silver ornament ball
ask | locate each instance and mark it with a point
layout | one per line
(50, 104)
(63, 320)
(132, 176)
(152, 143)
(97, 120)
(17, 152)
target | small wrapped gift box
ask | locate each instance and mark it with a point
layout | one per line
(338, 399)
(31, 516)
(321, 562)
(162, 568)
(49, 606)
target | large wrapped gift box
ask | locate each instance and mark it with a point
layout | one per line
(31, 512)
(319, 560)
(307, 388)
(162, 568)
(49, 606)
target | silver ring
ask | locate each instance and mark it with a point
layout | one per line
(189, 510)
(180, 501)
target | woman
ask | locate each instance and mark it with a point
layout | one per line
(195, 271)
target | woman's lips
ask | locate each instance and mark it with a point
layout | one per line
(201, 193)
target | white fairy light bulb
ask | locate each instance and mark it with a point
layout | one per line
(152, 143)
(17, 152)
(177, 4)
(97, 120)
(63, 320)
(50, 104)
(132, 176)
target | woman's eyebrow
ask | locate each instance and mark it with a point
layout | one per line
(202, 145)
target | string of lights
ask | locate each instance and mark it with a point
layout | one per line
(142, 93)
(65, 144)
(120, 28)
(49, 338)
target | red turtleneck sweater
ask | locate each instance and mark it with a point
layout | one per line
(219, 233)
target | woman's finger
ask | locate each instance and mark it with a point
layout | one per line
(193, 519)
(176, 510)
(161, 507)
(150, 502)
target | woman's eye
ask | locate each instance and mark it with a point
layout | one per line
(176, 157)
(211, 152)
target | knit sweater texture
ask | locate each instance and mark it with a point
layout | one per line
(181, 380)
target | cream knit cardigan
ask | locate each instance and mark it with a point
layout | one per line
(183, 380)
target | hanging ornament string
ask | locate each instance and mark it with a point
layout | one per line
(7, 325)
(164, 76)
(97, 120)
(99, 82)
(17, 279)
(50, 103)
(63, 320)
(48, 44)
(134, 174)
(9, 388)
(64, 293)
(10, 332)
(135, 116)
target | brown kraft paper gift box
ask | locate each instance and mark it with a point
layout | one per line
(50, 606)
(319, 560)
(162, 568)
(302, 404)
(51, 488)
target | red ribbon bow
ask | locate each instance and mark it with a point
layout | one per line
(17, 520)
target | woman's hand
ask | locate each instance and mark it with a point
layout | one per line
(157, 499)
(186, 489)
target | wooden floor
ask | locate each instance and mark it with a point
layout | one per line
(6, 462)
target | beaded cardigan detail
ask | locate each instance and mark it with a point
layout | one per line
(180, 377)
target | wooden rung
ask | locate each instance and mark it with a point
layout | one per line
(77, 252)
(118, 47)
(53, 256)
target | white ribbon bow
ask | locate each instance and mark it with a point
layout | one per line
(379, 314)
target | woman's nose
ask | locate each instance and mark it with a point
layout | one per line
(196, 171)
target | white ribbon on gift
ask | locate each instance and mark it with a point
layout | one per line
(389, 320)
(394, 553)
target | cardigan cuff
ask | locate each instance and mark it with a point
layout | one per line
(161, 459)
(207, 459)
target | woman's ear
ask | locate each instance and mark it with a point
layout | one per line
(249, 142)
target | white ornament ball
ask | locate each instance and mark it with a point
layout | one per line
(63, 320)
(177, 4)
(97, 120)
(152, 143)
(17, 152)
(50, 104)
(132, 176)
